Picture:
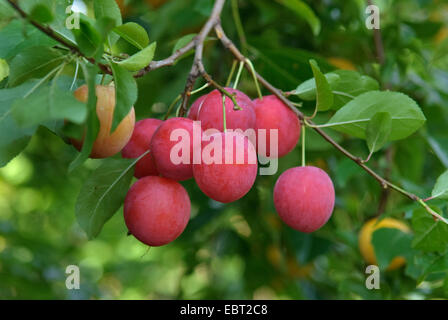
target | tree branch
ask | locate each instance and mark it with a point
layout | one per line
(378, 42)
(198, 70)
(229, 45)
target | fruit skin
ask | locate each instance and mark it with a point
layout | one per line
(161, 148)
(156, 210)
(194, 109)
(365, 240)
(227, 182)
(304, 198)
(139, 144)
(272, 113)
(211, 113)
(106, 144)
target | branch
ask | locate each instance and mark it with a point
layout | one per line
(198, 68)
(229, 45)
(378, 42)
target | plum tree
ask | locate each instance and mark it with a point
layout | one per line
(139, 144)
(272, 113)
(365, 240)
(211, 111)
(304, 198)
(161, 147)
(231, 170)
(106, 143)
(194, 109)
(156, 210)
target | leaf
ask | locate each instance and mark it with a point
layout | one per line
(182, 42)
(16, 37)
(103, 194)
(302, 10)
(439, 147)
(349, 85)
(125, 91)
(134, 34)
(4, 69)
(430, 235)
(41, 13)
(440, 190)
(90, 71)
(378, 131)
(345, 84)
(324, 97)
(13, 139)
(390, 243)
(107, 8)
(87, 36)
(307, 89)
(33, 62)
(139, 60)
(354, 117)
(424, 264)
(48, 104)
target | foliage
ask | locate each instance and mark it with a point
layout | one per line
(321, 53)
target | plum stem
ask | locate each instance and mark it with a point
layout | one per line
(238, 75)
(303, 145)
(198, 69)
(232, 71)
(252, 71)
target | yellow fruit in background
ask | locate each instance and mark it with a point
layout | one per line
(341, 63)
(106, 144)
(365, 240)
(441, 35)
(296, 270)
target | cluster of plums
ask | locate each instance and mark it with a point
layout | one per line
(157, 207)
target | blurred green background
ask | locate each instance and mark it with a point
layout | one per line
(242, 250)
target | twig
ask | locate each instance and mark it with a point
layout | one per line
(228, 44)
(198, 70)
(378, 42)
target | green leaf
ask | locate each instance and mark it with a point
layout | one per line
(354, 117)
(107, 8)
(302, 10)
(41, 13)
(13, 138)
(378, 131)
(16, 37)
(33, 62)
(349, 85)
(87, 36)
(48, 104)
(390, 243)
(182, 42)
(324, 97)
(424, 264)
(139, 60)
(440, 190)
(134, 34)
(4, 69)
(90, 71)
(126, 93)
(430, 235)
(345, 84)
(103, 194)
(307, 89)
